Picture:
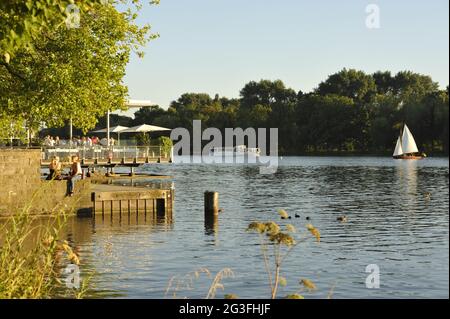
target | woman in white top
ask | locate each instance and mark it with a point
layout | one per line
(74, 175)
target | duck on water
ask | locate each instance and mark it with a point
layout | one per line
(406, 147)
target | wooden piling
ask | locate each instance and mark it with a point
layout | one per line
(211, 212)
(211, 203)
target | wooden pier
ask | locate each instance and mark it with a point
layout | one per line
(91, 157)
(127, 201)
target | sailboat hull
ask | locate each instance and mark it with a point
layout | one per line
(409, 157)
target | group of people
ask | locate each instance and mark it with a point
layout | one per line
(52, 141)
(75, 172)
(86, 141)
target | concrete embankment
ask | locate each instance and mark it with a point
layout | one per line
(21, 187)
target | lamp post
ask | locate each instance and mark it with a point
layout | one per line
(130, 104)
(70, 132)
(107, 127)
(137, 104)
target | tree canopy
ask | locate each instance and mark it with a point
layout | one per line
(58, 73)
(350, 111)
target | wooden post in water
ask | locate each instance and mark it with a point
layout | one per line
(211, 211)
(211, 203)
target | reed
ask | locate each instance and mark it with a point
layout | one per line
(32, 257)
(178, 284)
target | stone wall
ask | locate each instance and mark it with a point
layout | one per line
(19, 177)
(51, 197)
(21, 184)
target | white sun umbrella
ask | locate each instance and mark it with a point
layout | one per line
(115, 129)
(145, 128)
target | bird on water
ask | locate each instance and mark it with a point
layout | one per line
(342, 219)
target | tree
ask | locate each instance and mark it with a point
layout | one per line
(266, 93)
(384, 124)
(409, 85)
(384, 82)
(349, 83)
(191, 106)
(327, 123)
(366, 115)
(73, 73)
(22, 21)
(260, 99)
(149, 115)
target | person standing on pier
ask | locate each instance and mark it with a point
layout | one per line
(74, 174)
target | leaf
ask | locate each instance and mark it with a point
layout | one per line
(282, 238)
(231, 296)
(272, 228)
(314, 231)
(7, 57)
(257, 226)
(295, 296)
(291, 228)
(282, 281)
(308, 284)
(74, 258)
(283, 213)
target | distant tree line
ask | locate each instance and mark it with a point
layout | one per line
(350, 111)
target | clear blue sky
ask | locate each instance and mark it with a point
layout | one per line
(216, 46)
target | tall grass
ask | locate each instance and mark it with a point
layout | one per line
(31, 257)
(186, 282)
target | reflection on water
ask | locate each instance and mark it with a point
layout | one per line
(407, 182)
(211, 225)
(391, 223)
(111, 247)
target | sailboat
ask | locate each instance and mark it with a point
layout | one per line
(406, 147)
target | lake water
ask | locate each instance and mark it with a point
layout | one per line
(391, 223)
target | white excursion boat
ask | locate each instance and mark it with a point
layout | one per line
(406, 147)
(239, 150)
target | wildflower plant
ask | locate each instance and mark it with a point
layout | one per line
(282, 241)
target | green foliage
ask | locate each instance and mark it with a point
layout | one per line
(143, 139)
(351, 111)
(21, 21)
(351, 83)
(295, 296)
(8, 129)
(166, 144)
(70, 72)
(282, 241)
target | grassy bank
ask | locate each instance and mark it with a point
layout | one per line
(32, 258)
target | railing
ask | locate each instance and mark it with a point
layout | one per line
(103, 152)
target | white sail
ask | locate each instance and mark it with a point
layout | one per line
(408, 142)
(398, 148)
